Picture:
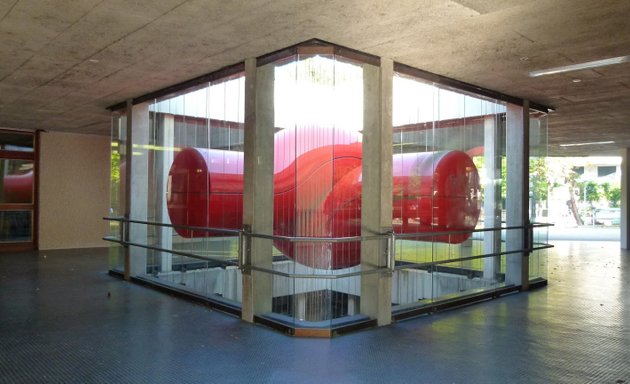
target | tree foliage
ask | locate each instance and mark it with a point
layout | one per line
(612, 194)
(115, 167)
(570, 179)
(538, 178)
(591, 192)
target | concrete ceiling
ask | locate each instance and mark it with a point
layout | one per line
(62, 62)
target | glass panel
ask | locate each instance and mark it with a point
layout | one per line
(117, 189)
(118, 167)
(539, 184)
(192, 161)
(16, 226)
(447, 167)
(13, 141)
(317, 166)
(16, 186)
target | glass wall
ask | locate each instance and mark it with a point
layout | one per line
(538, 194)
(186, 189)
(117, 193)
(317, 175)
(17, 190)
(16, 193)
(314, 260)
(449, 153)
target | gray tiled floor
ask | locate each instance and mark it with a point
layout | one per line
(57, 325)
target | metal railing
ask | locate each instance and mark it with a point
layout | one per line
(245, 237)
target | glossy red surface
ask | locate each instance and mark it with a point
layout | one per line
(317, 193)
(205, 189)
(18, 188)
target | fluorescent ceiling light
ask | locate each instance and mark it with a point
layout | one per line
(580, 66)
(591, 143)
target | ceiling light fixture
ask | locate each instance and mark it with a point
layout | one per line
(591, 143)
(580, 66)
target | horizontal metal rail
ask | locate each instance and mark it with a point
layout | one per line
(408, 265)
(234, 232)
(401, 236)
(232, 261)
(476, 230)
(245, 236)
(314, 239)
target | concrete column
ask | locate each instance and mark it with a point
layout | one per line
(138, 185)
(164, 159)
(625, 207)
(517, 201)
(376, 204)
(493, 139)
(258, 186)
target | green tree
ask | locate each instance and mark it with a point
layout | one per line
(591, 192)
(115, 167)
(570, 179)
(612, 194)
(605, 188)
(115, 180)
(538, 178)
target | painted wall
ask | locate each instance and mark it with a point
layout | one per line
(74, 190)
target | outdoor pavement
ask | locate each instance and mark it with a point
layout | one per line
(584, 233)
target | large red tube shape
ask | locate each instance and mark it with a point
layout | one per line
(205, 187)
(317, 193)
(18, 188)
(433, 192)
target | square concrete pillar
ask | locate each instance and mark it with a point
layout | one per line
(137, 189)
(517, 199)
(493, 143)
(376, 203)
(258, 186)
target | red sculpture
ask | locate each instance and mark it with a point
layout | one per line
(18, 188)
(317, 193)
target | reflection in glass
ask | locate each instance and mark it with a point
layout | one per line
(14, 141)
(117, 189)
(16, 226)
(205, 123)
(16, 184)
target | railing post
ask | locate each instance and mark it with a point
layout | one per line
(124, 237)
(391, 251)
(244, 248)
